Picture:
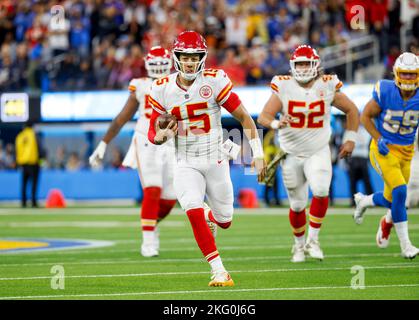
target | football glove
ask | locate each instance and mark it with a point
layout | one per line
(272, 166)
(382, 146)
(97, 155)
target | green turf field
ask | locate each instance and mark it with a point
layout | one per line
(256, 251)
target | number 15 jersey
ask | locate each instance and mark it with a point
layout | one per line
(198, 110)
(309, 108)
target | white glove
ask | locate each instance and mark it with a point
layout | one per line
(230, 149)
(97, 156)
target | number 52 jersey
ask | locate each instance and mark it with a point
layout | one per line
(309, 108)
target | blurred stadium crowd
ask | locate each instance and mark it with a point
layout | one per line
(62, 159)
(99, 44)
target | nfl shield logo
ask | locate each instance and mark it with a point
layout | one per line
(320, 93)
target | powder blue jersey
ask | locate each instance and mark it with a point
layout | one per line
(398, 120)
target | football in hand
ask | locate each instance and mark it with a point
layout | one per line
(164, 119)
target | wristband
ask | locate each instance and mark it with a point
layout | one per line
(257, 149)
(102, 144)
(275, 124)
(350, 135)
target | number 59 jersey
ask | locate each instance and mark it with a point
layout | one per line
(309, 108)
(398, 119)
(198, 110)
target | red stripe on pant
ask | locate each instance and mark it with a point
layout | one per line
(165, 206)
(202, 233)
(150, 206)
(298, 220)
(318, 209)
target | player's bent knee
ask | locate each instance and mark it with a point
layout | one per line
(224, 217)
(320, 192)
(399, 193)
(297, 206)
(289, 181)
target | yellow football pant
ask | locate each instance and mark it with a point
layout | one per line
(394, 170)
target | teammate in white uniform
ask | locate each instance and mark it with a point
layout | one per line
(195, 96)
(304, 101)
(154, 163)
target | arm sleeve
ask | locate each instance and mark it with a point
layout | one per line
(232, 102)
(152, 127)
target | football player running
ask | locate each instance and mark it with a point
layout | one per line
(304, 101)
(391, 117)
(195, 96)
(154, 163)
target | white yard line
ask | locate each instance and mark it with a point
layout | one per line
(222, 248)
(207, 291)
(176, 211)
(141, 260)
(393, 266)
(85, 224)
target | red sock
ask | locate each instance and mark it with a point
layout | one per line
(150, 208)
(223, 225)
(298, 222)
(318, 210)
(202, 233)
(386, 228)
(165, 206)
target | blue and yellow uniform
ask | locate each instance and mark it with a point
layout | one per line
(397, 122)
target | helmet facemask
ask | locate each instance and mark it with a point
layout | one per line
(304, 75)
(158, 67)
(406, 84)
(180, 66)
(406, 63)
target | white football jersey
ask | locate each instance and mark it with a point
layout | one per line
(310, 111)
(198, 111)
(142, 87)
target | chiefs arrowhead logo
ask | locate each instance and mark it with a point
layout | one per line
(205, 92)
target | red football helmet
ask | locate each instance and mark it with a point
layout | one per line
(189, 42)
(305, 53)
(158, 62)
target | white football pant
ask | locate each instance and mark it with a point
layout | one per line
(153, 162)
(299, 173)
(192, 182)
